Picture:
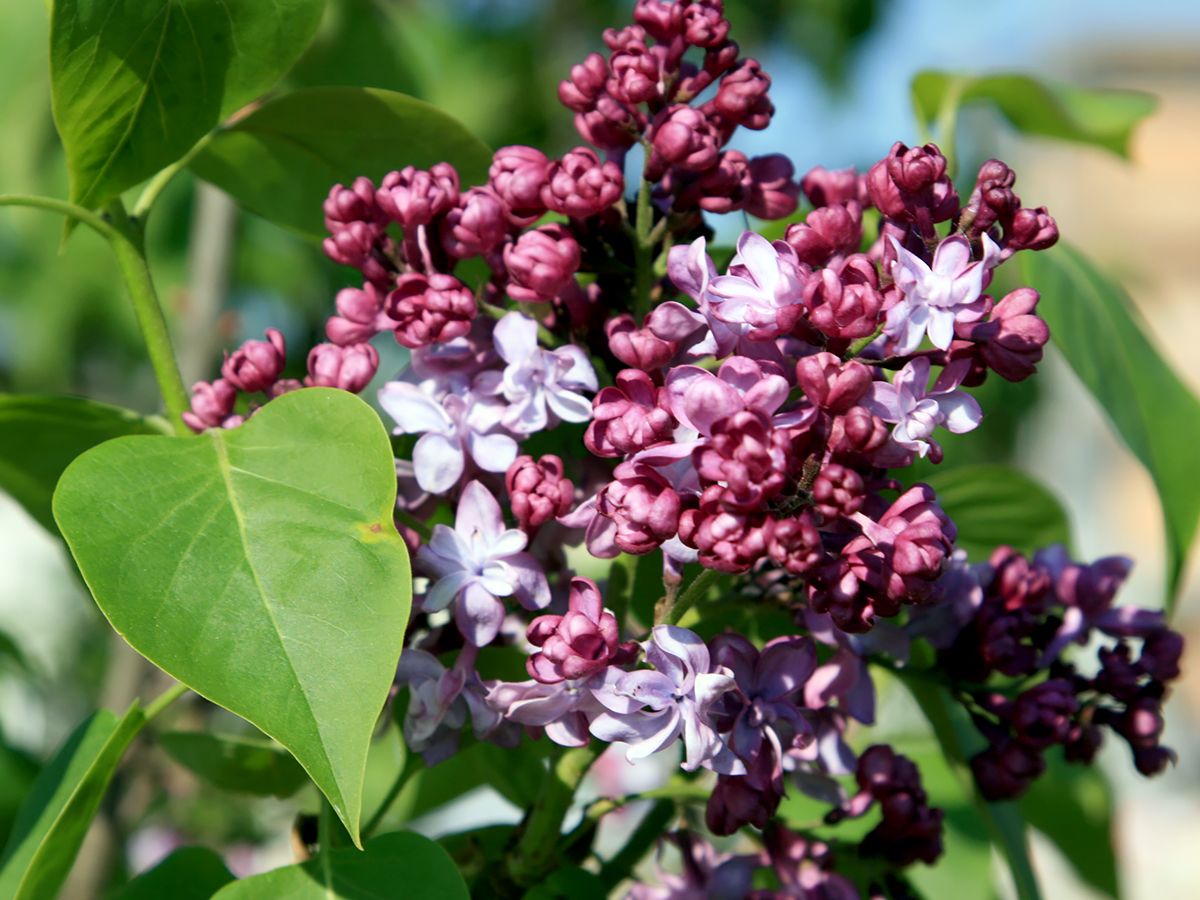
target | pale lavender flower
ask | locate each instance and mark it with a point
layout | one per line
(476, 563)
(935, 297)
(916, 410)
(440, 701)
(650, 709)
(541, 386)
(763, 290)
(560, 709)
(453, 427)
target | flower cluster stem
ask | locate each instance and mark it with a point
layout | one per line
(537, 848)
(669, 611)
(643, 252)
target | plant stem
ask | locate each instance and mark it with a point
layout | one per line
(163, 700)
(537, 848)
(70, 210)
(159, 182)
(861, 344)
(670, 613)
(131, 260)
(412, 763)
(643, 837)
(643, 256)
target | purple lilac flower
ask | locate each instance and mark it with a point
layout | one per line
(916, 410)
(440, 700)
(477, 562)
(763, 291)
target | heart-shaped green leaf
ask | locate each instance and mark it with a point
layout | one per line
(260, 567)
(394, 865)
(135, 84)
(1094, 324)
(993, 505)
(54, 818)
(281, 160)
(41, 434)
(1102, 118)
(244, 765)
(190, 873)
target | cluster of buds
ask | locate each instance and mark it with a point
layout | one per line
(1024, 614)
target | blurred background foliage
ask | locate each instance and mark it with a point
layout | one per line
(841, 69)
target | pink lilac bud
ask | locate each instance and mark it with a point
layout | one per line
(826, 232)
(773, 192)
(414, 196)
(1011, 340)
(857, 433)
(662, 21)
(722, 189)
(636, 75)
(911, 185)
(611, 125)
(992, 201)
(844, 305)
(477, 224)
(830, 384)
(541, 263)
(735, 803)
(537, 490)
(517, 175)
(704, 23)
(348, 368)
(747, 458)
(628, 39)
(923, 537)
(1006, 770)
(628, 416)
(352, 204)
(360, 316)
(824, 187)
(637, 347)
(727, 541)
(578, 644)
(1161, 652)
(212, 404)
(585, 84)
(1041, 715)
(643, 505)
(579, 185)
(742, 97)
(430, 309)
(1032, 229)
(838, 492)
(795, 544)
(284, 386)
(684, 137)
(1017, 584)
(353, 245)
(256, 364)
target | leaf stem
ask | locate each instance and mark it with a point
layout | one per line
(643, 243)
(70, 210)
(862, 344)
(131, 260)
(157, 184)
(670, 612)
(537, 848)
(163, 700)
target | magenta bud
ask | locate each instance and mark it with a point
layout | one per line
(662, 21)
(684, 137)
(541, 263)
(212, 403)
(430, 309)
(773, 192)
(256, 364)
(537, 490)
(580, 185)
(477, 224)
(742, 96)
(517, 175)
(352, 204)
(637, 347)
(825, 187)
(704, 23)
(414, 196)
(348, 368)
(643, 505)
(827, 232)
(586, 82)
(628, 416)
(360, 316)
(831, 384)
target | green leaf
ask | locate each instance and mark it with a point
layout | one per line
(281, 160)
(190, 873)
(55, 816)
(1094, 324)
(260, 567)
(136, 84)
(1099, 117)
(993, 505)
(41, 434)
(244, 765)
(394, 864)
(1072, 806)
(959, 741)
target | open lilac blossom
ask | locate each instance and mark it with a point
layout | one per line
(916, 410)
(441, 700)
(476, 563)
(560, 709)
(541, 386)
(649, 709)
(458, 426)
(936, 297)
(763, 289)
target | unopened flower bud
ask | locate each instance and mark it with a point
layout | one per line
(684, 137)
(579, 185)
(347, 368)
(256, 364)
(541, 263)
(773, 192)
(430, 309)
(517, 175)
(414, 196)
(476, 224)
(637, 347)
(831, 384)
(537, 490)
(212, 403)
(825, 187)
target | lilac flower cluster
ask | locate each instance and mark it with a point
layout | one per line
(604, 383)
